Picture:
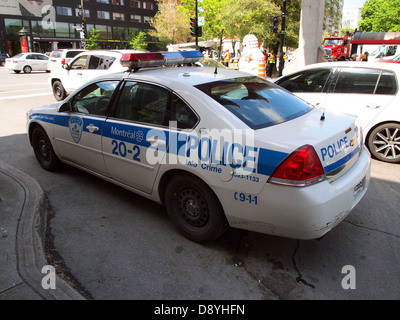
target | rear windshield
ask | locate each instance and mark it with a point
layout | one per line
(255, 101)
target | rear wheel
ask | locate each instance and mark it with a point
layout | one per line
(17, 71)
(59, 91)
(384, 142)
(43, 149)
(194, 208)
(27, 69)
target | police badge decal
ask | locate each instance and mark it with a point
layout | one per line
(75, 125)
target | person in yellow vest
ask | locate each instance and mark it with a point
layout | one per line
(227, 58)
(271, 63)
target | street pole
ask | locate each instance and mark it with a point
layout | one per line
(197, 28)
(83, 41)
(282, 42)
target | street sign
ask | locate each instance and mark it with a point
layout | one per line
(200, 21)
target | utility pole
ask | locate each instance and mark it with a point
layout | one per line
(282, 41)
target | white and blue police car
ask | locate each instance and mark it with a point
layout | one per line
(217, 147)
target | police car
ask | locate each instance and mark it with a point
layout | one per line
(217, 147)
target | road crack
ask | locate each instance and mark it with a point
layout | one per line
(299, 277)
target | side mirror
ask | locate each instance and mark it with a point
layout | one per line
(65, 107)
(66, 66)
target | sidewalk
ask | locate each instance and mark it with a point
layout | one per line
(22, 230)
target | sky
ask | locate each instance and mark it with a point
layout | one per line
(353, 3)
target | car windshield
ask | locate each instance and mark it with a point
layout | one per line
(19, 55)
(255, 101)
(333, 41)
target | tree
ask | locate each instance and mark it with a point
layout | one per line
(171, 22)
(380, 16)
(138, 41)
(93, 42)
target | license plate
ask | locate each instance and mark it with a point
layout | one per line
(358, 188)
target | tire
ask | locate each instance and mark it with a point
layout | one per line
(27, 69)
(194, 208)
(17, 71)
(59, 91)
(43, 149)
(384, 143)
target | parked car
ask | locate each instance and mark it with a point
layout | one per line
(395, 59)
(60, 57)
(28, 62)
(369, 90)
(84, 67)
(218, 147)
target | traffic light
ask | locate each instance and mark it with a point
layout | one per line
(84, 30)
(199, 32)
(193, 26)
(274, 21)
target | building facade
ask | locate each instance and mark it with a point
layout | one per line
(52, 24)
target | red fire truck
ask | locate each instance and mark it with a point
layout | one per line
(336, 48)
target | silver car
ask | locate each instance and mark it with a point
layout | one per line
(28, 62)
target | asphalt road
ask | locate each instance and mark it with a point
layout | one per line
(118, 245)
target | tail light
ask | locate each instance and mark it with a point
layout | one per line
(301, 168)
(62, 61)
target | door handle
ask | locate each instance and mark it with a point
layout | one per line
(79, 74)
(373, 106)
(92, 128)
(156, 140)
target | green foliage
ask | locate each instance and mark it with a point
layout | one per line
(380, 16)
(138, 41)
(93, 42)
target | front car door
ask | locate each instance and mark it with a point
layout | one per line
(310, 85)
(78, 132)
(136, 136)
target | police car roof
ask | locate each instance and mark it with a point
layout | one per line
(190, 75)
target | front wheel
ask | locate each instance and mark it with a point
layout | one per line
(59, 91)
(384, 142)
(43, 149)
(194, 208)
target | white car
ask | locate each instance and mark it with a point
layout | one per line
(27, 62)
(84, 67)
(59, 57)
(217, 147)
(368, 90)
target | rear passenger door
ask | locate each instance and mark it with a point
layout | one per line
(362, 92)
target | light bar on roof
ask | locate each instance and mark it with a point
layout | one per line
(136, 61)
(192, 56)
(140, 60)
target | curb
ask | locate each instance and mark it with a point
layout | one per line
(30, 237)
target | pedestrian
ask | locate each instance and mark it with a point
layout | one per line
(227, 58)
(271, 63)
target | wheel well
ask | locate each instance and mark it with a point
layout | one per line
(171, 173)
(375, 126)
(32, 126)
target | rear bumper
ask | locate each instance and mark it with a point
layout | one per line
(302, 213)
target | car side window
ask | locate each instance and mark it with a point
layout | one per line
(79, 63)
(357, 80)
(143, 102)
(313, 80)
(100, 62)
(181, 113)
(30, 57)
(94, 98)
(387, 83)
(40, 57)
